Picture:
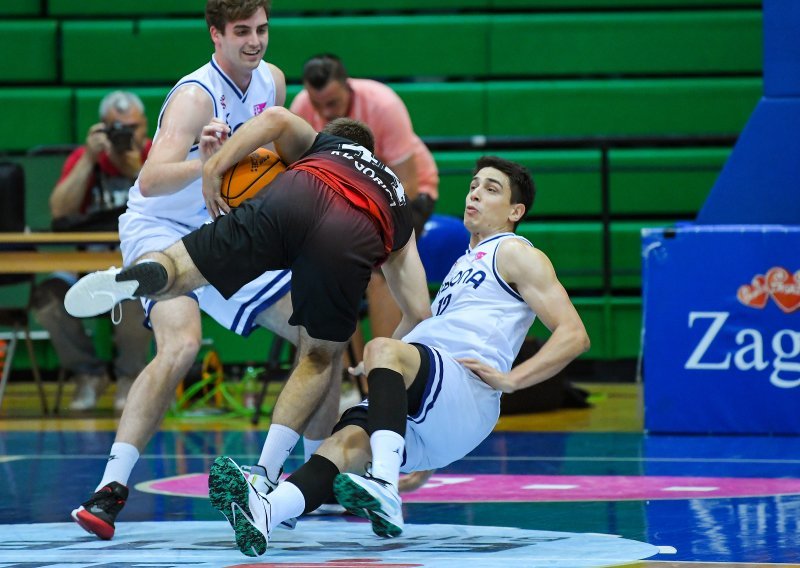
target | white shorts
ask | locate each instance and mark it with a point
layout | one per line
(140, 234)
(457, 413)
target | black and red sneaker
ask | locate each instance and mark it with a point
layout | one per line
(97, 515)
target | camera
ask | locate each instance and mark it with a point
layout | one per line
(121, 136)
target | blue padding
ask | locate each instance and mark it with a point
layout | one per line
(758, 184)
(721, 334)
(444, 240)
(781, 48)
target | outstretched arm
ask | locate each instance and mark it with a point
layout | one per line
(291, 135)
(406, 279)
(532, 273)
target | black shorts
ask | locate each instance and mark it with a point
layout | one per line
(302, 224)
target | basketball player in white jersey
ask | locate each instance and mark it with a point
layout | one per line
(435, 394)
(165, 203)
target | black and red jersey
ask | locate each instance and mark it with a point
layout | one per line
(364, 181)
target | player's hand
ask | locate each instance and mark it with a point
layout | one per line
(414, 480)
(212, 196)
(358, 370)
(212, 137)
(487, 373)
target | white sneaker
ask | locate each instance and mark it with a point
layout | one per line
(256, 475)
(246, 509)
(373, 499)
(88, 389)
(121, 394)
(97, 293)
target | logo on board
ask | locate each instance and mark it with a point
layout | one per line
(778, 284)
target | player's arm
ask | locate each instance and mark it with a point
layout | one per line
(291, 135)
(532, 273)
(167, 170)
(406, 279)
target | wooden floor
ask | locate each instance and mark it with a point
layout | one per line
(616, 407)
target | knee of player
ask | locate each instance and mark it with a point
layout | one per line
(318, 353)
(180, 348)
(348, 448)
(381, 352)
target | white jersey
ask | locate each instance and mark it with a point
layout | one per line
(231, 105)
(476, 313)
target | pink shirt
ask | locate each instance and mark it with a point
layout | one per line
(380, 108)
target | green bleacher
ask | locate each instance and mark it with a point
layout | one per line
(497, 72)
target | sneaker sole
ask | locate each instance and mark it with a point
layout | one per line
(359, 502)
(90, 296)
(92, 524)
(229, 490)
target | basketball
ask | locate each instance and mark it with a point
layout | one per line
(249, 176)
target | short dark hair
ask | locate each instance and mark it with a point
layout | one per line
(321, 69)
(353, 130)
(522, 188)
(220, 12)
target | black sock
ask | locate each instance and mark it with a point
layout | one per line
(315, 481)
(151, 276)
(388, 401)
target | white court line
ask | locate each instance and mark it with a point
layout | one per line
(697, 488)
(548, 486)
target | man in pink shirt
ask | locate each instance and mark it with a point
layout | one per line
(328, 94)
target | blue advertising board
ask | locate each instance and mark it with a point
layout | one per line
(722, 329)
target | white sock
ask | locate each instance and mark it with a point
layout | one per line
(310, 446)
(277, 447)
(120, 464)
(387, 455)
(286, 502)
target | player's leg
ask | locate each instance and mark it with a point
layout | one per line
(300, 398)
(324, 418)
(176, 324)
(164, 275)
(320, 426)
(392, 367)
(158, 275)
(395, 384)
(133, 349)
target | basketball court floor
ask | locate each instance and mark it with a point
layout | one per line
(565, 489)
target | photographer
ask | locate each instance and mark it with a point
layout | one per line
(89, 196)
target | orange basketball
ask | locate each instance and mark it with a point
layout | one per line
(249, 176)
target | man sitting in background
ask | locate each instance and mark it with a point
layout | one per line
(89, 196)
